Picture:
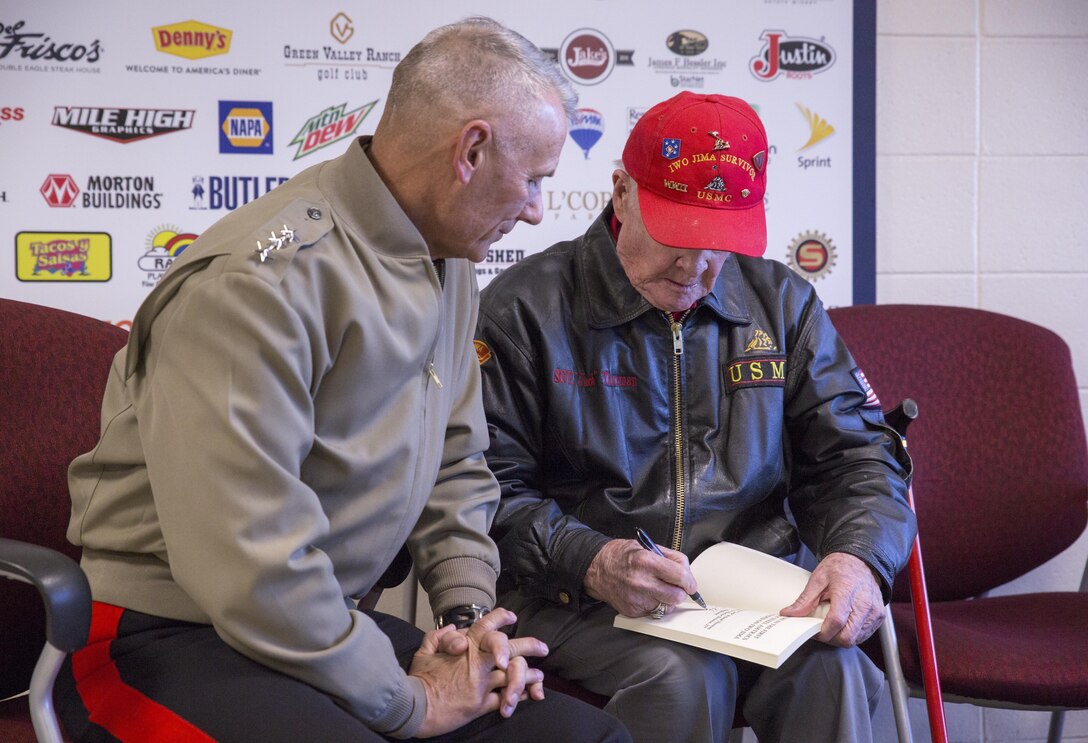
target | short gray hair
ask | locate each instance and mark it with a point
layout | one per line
(476, 63)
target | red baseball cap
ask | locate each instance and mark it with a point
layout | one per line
(700, 162)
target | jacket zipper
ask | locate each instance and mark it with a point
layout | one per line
(440, 270)
(677, 328)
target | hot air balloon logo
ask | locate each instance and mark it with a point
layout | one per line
(587, 128)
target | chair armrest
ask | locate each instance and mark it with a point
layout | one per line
(61, 584)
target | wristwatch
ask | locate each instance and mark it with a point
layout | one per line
(462, 616)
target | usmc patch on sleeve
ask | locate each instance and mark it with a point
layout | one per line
(483, 352)
(757, 371)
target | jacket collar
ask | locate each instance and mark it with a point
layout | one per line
(610, 299)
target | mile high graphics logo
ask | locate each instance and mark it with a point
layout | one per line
(123, 125)
(331, 125)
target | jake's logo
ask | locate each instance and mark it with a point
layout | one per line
(797, 57)
(762, 371)
(192, 39)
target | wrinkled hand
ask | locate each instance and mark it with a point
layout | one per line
(634, 580)
(467, 673)
(856, 606)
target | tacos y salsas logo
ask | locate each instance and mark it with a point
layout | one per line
(63, 256)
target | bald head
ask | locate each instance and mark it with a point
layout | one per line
(474, 68)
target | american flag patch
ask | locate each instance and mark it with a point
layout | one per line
(871, 400)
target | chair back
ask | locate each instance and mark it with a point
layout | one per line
(1000, 460)
(53, 369)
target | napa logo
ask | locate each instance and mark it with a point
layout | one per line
(331, 125)
(192, 39)
(245, 127)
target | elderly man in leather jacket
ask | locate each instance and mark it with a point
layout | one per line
(657, 373)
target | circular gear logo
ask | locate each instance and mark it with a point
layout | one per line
(812, 254)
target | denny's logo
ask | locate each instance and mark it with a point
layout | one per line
(63, 256)
(192, 39)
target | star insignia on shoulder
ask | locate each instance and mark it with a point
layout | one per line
(276, 242)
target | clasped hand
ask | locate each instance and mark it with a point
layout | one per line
(467, 673)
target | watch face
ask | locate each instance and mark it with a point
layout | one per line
(462, 616)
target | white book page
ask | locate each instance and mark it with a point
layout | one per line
(738, 577)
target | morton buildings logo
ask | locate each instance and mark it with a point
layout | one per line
(192, 39)
(797, 57)
(123, 125)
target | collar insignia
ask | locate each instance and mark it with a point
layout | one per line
(760, 342)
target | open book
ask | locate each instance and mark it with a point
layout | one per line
(744, 590)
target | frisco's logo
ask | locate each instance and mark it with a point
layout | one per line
(192, 39)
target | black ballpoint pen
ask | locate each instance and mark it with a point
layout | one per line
(647, 543)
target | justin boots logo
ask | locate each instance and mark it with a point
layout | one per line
(797, 58)
(59, 190)
(192, 39)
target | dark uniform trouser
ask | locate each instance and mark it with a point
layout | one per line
(667, 691)
(164, 680)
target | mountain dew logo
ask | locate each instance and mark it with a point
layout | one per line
(331, 125)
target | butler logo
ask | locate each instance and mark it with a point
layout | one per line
(123, 125)
(331, 125)
(63, 256)
(587, 56)
(797, 58)
(192, 39)
(59, 190)
(245, 127)
(812, 255)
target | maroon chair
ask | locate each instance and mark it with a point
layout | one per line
(53, 368)
(1000, 487)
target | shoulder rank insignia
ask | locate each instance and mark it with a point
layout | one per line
(285, 237)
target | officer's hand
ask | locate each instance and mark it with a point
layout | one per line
(467, 673)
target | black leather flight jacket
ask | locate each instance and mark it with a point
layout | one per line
(606, 414)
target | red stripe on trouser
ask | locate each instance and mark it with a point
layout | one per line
(114, 705)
